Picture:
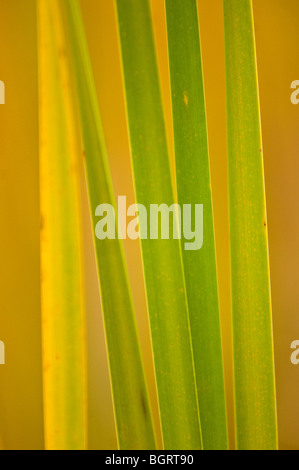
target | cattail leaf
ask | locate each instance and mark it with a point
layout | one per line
(162, 261)
(61, 247)
(252, 318)
(131, 405)
(194, 187)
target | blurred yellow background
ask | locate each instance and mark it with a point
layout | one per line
(277, 33)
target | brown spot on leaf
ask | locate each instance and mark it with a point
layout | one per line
(47, 366)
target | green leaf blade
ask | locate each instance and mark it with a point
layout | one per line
(252, 319)
(130, 397)
(62, 286)
(163, 271)
(194, 187)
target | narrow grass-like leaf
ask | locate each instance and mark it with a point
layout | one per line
(132, 410)
(162, 261)
(252, 320)
(194, 187)
(61, 247)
